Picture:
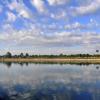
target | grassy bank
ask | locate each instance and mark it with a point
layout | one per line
(52, 60)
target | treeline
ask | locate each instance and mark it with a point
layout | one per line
(26, 55)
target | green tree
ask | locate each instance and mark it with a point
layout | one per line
(26, 55)
(8, 55)
(97, 51)
(21, 55)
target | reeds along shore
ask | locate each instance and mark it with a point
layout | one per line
(61, 58)
(52, 60)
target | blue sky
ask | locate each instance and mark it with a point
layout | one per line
(49, 26)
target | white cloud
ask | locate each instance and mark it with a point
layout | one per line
(72, 11)
(39, 5)
(59, 15)
(13, 5)
(57, 2)
(75, 25)
(79, 26)
(67, 11)
(20, 8)
(46, 32)
(33, 37)
(90, 8)
(24, 14)
(11, 17)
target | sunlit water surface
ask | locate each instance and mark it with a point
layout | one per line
(49, 82)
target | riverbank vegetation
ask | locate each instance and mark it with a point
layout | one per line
(61, 58)
(26, 55)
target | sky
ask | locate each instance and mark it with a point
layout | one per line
(49, 26)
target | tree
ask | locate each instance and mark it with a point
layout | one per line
(8, 55)
(61, 55)
(97, 51)
(21, 55)
(26, 55)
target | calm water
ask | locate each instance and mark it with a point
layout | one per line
(49, 82)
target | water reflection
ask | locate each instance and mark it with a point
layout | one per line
(8, 64)
(49, 82)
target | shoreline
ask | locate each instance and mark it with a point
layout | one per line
(52, 60)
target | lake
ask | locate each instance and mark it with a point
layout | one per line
(49, 82)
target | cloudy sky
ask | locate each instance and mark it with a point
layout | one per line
(50, 26)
